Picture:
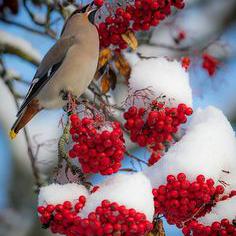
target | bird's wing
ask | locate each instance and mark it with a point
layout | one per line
(47, 68)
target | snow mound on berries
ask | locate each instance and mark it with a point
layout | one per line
(163, 77)
(207, 148)
(223, 210)
(132, 191)
(132, 58)
(57, 194)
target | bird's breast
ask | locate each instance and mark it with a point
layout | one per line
(74, 75)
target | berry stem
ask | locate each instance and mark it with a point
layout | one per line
(62, 155)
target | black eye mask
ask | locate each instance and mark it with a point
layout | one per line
(83, 9)
(92, 15)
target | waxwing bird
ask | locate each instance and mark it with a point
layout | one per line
(69, 66)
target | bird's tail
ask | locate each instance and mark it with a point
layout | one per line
(26, 115)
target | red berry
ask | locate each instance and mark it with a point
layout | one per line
(41, 210)
(98, 3)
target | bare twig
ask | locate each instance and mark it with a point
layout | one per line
(127, 170)
(135, 158)
(44, 23)
(226, 171)
(35, 169)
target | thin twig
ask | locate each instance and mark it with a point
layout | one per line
(45, 23)
(35, 169)
(127, 170)
(135, 158)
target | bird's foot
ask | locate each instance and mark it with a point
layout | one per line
(72, 101)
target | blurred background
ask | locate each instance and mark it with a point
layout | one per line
(28, 28)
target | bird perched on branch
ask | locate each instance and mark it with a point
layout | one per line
(68, 67)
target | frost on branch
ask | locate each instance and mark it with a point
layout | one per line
(164, 78)
(57, 194)
(207, 148)
(133, 191)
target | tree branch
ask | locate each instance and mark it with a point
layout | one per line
(62, 155)
(10, 44)
(32, 158)
(25, 27)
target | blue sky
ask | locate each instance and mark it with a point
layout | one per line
(213, 91)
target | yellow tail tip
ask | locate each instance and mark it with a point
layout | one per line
(12, 134)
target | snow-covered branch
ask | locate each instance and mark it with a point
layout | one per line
(10, 44)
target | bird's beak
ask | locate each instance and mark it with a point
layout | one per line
(91, 12)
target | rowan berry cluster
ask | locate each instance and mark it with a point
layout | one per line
(61, 217)
(181, 200)
(155, 157)
(137, 15)
(99, 145)
(210, 64)
(222, 228)
(154, 127)
(108, 219)
(186, 61)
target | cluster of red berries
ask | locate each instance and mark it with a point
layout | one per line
(61, 217)
(222, 228)
(114, 219)
(99, 145)
(155, 157)
(139, 15)
(108, 219)
(210, 64)
(154, 127)
(181, 200)
(186, 63)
